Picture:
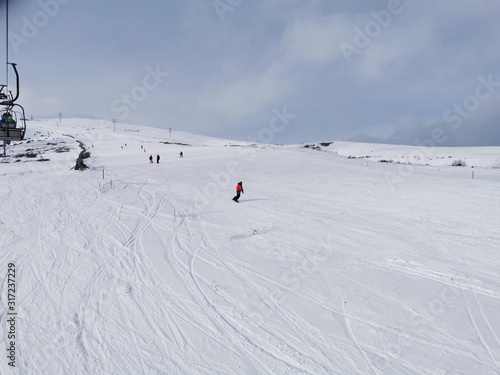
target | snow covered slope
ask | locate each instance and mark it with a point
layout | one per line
(326, 266)
(477, 157)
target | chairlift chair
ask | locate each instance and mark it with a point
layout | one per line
(13, 131)
(16, 130)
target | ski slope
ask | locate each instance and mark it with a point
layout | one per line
(328, 265)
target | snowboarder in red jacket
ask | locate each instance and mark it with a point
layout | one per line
(239, 190)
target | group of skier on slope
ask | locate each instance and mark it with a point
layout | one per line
(181, 155)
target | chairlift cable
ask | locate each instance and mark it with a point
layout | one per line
(7, 45)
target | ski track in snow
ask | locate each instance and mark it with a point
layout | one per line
(134, 277)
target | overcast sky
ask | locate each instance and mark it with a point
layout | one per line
(279, 71)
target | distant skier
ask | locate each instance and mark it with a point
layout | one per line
(181, 155)
(150, 158)
(157, 159)
(239, 190)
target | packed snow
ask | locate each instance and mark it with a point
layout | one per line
(331, 263)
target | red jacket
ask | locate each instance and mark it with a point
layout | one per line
(239, 188)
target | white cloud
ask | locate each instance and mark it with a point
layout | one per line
(311, 39)
(249, 94)
(316, 39)
(397, 46)
(38, 104)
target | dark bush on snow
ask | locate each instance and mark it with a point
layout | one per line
(458, 163)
